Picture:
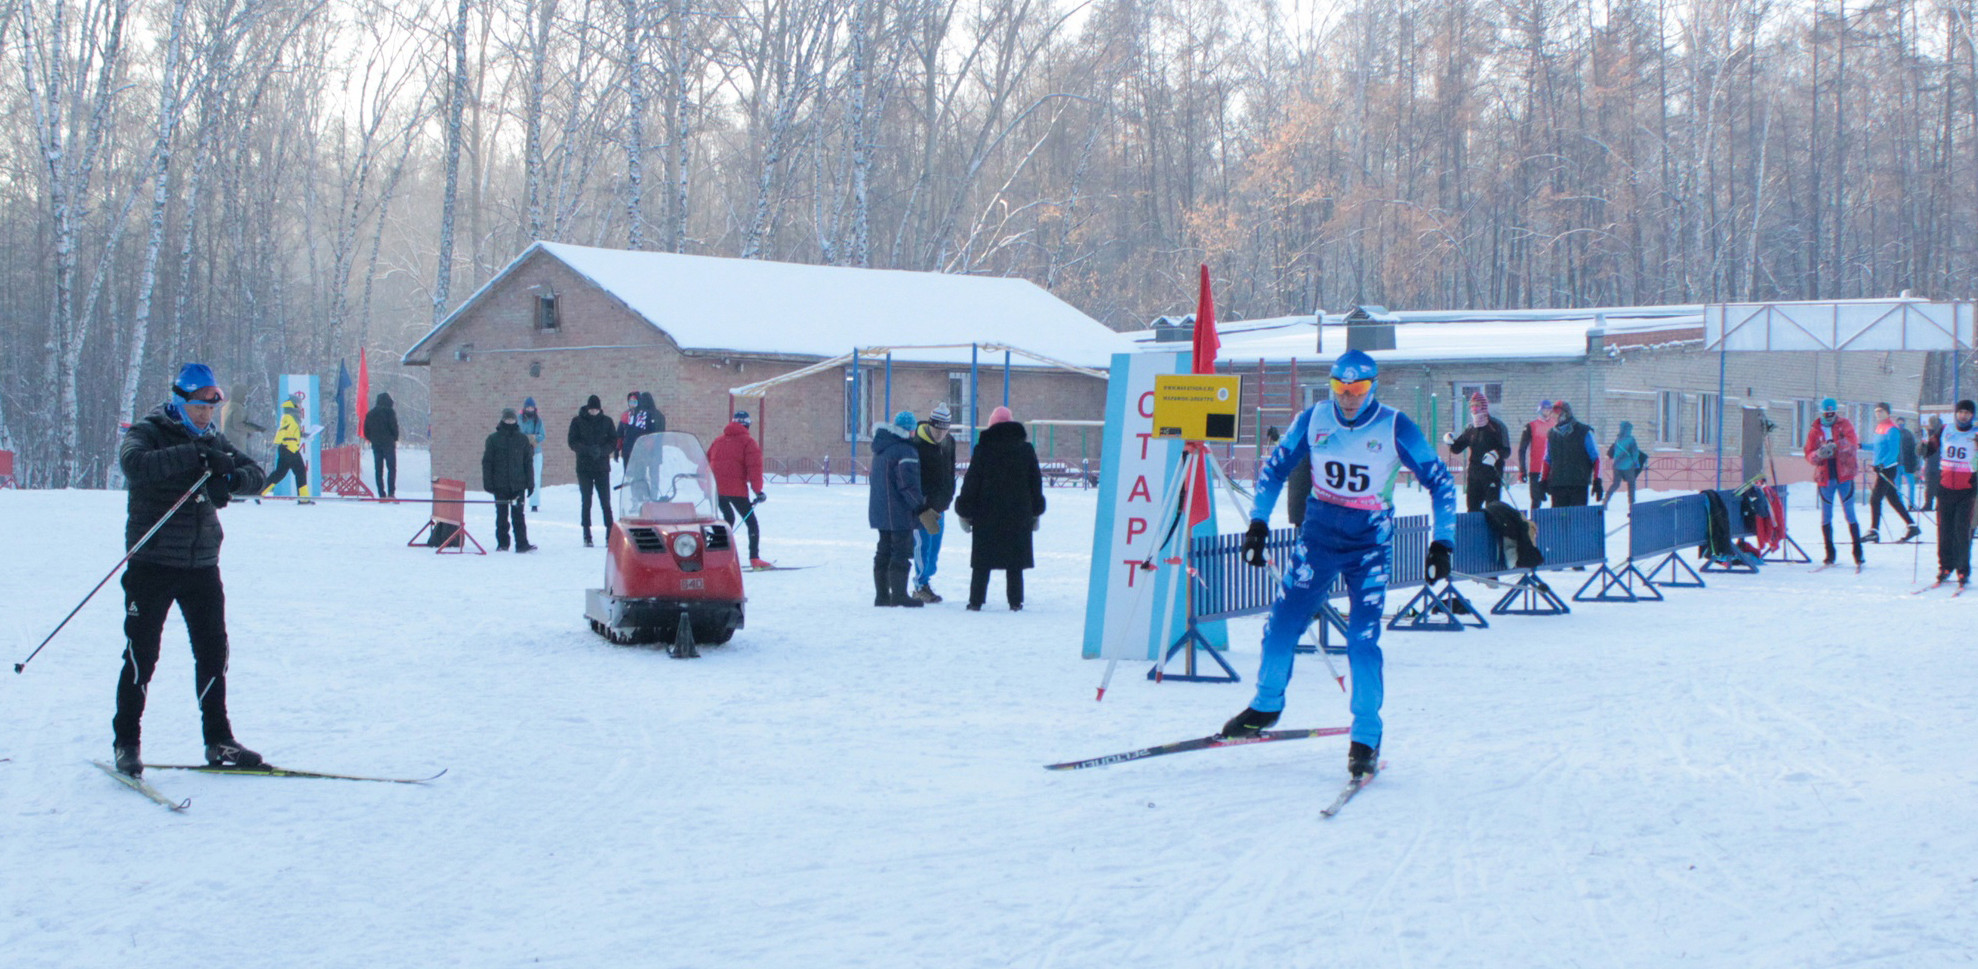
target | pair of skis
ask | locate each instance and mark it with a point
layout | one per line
(1214, 741)
(142, 786)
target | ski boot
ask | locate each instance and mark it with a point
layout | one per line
(1873, 535)
(760, 563)
(230, 754)
(1854, 531)
(1249, 723)
(1827, 535)
(127, 759)
(1362, 761)
(1915, 531)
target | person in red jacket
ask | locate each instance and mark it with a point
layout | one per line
(737, 462)
(1832, 447)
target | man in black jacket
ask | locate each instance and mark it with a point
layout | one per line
(508, 473)
(1572, 459)
(1489, 444)
(937, 488)
(381, 429)
(595, 438)
(162, 457)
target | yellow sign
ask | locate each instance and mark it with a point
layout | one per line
(1197, 407)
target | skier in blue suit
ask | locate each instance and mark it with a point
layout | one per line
(1357, 447)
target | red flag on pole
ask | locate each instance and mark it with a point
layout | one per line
(363, 391)
(1204, 359)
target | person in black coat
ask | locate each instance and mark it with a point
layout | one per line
(507, 473)
(381, 429)
(1489, 444)
(162, 457)
(594, 438)
(1001, 501)
(893, 508)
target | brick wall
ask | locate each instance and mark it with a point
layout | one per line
(603, 348)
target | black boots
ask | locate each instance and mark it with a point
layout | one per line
(230, 754)
(128, 761)
(1827, 535)
(1362, 760)
(1249, 723)
(1854, 531)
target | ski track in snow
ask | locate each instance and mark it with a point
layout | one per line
(1774, 771)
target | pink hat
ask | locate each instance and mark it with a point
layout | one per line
(1001, 415)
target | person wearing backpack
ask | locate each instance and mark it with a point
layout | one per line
(1628, 462)
(1887, 455)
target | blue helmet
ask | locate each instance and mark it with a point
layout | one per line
(192, 378)
(1356, 365)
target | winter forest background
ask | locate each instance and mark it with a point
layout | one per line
(269, 185)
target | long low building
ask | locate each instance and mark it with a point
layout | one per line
(562, 322)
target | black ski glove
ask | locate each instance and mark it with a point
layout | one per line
(216, 459)
(1598, 491)
(760, 497)
(1438, 561)
(1253, 543)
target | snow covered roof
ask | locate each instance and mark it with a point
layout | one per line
(716, 304)
(1439, 335)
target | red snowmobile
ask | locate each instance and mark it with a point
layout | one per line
(671, 572)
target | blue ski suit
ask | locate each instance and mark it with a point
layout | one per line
(1348, 524)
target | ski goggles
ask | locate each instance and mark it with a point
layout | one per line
(208, 397)
(1352, 388)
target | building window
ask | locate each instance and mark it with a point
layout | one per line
(1668, 417)
(958, 406)
(1493, 392)
(1707, 406)
(546, 314)
(1805, 412)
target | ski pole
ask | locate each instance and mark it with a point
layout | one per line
(169, 512)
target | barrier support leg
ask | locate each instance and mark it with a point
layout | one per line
(1677, 568)
(1193, 640)
(1787, 551)
(1530, 596)
(1619, 586)
(1433, 610)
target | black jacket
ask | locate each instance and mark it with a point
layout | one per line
(1566, 455)
(937, 470)
(1491, 439)
(507, 462)
(1001, 495)
(381, 425)
(595, 438)
(160, 461)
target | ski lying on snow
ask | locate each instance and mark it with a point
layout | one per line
(139, 785)
(777, 568)
(1352, 787)
(272, 771)
(1199, 743)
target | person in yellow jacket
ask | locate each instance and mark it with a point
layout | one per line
(288, 453)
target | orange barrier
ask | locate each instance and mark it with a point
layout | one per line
(341, 471)
(7, 470)
(449, 519)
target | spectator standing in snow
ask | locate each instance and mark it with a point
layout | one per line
(381, 429)
(643, 418)
(1831, 446)
(594, 438)
(1932, 463)
(1954, 447)
(1627, 463)
(1887, 455)
(162, 456)
(1531, 453)
(1357, 446)
(505, 467)
(288, 453)
(531, 424)
(630, 425)
(1489, 444)
(893, 507)
(737, 462)
(1001, 502)
(937, 488)
(234, 422)
(1572, 459)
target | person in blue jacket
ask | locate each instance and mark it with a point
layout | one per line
(1887, 456)
(1357, 446)
(531, 424)
(893, 508)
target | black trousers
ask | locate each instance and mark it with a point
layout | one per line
(1954, 506)
(1475, 493)
(891, 561)
(288, 462)
(149, 592)
(1885, 490)
(978, 586)
(594, 480)
(732, 505)
(383, 460)
(1538, 493)
(1567, 496)
(508, 511)
(1619, 480)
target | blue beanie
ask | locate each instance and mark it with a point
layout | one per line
(905, 421)
(1829, 403)
(192, 378)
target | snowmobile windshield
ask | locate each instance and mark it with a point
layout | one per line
(668, 479)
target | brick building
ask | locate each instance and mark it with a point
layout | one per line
(562, 322)
(1645, 365)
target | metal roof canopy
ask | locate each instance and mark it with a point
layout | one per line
(1877, 325)
(761, 388)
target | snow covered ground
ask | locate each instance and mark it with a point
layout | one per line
(1776, 771)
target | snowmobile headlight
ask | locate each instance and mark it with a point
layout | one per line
(686, 544)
